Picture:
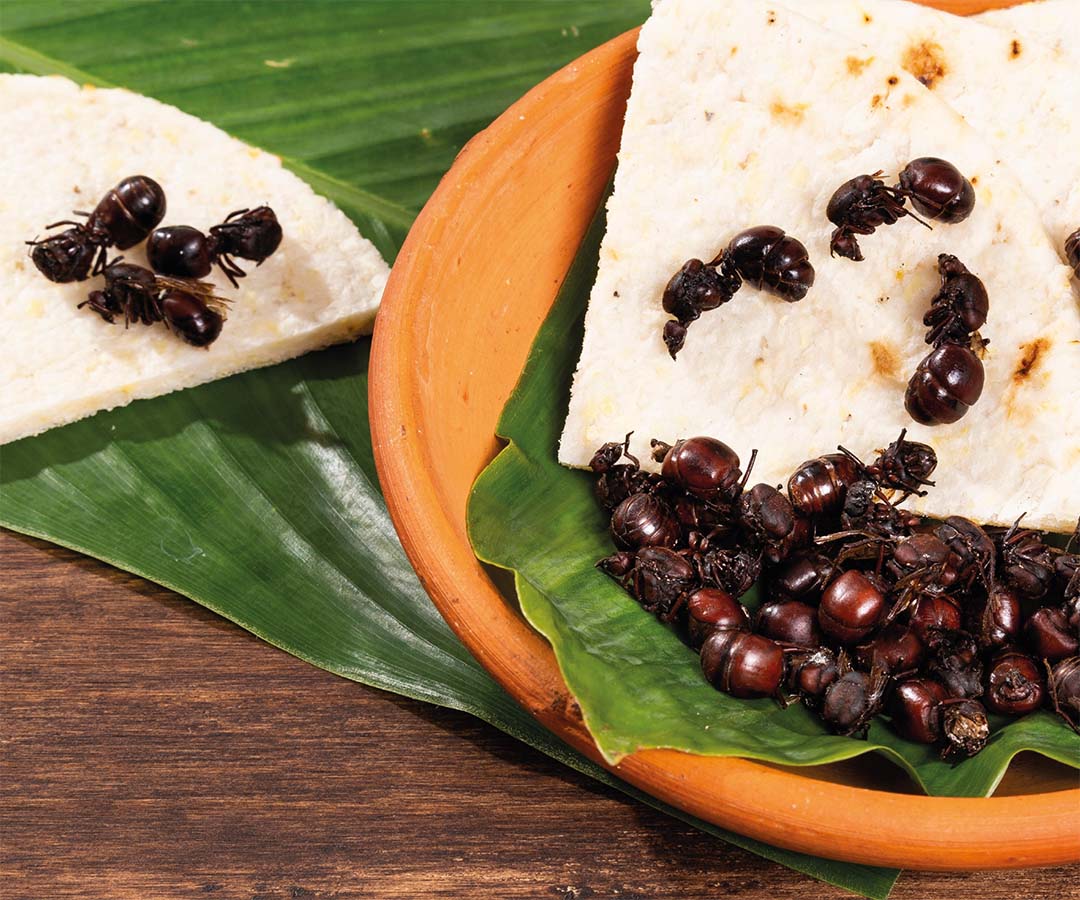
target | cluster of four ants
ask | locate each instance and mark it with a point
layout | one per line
(950, 379)
(179, 256)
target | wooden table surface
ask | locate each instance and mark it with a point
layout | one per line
(154, 751)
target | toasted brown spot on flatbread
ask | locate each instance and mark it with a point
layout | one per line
(855, 65)
(908, 99)
(770, 16)
(867, 18)
(893, 81)
(926, 61)
(875, 101)
(734, 50)
(1015, 50)
(790, 114)
(974, 179)
(885, 358)
(1030, 358)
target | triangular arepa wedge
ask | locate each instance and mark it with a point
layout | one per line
(65, 146)
(742, 114)
(1019, 94)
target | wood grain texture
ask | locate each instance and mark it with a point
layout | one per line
(153, 750)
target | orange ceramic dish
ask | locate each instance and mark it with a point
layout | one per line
(468, 293)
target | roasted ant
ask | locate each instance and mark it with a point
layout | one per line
(898, 649)
(852, 607)
(188, 308)
(122, 219)
(922, 711)
(658, 578)
(696, 288)
(954, 661)
(734, 570)
(770, 521)
(853, 699)
(772, 261)
(859, 206)
(973, 546)
(928, 556)
(946, 384)
(185, 252)
(802, 578)
(1050, 634)
(950, 379)
(959, 308)
(617, 480)
(867, 511)
(937, 189)
(1015, 685)
(915, 707)
(704, 467)
(643, 520)
(996, 622)
(1072, 251)
(964, 727)
(1027, 564)
(1067, 568)
(905, 466)
(791, 623)
(1064, 685)
(935, 613)
(819, 486)
(743, 664)
(764, 257)
(711, 609)
(811, 672)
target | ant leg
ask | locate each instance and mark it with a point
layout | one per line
(235, 214)
(230, 269)
(65, 222)
(96, 302)
(749, 469)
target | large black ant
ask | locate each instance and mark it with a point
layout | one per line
(764, 256)
(949, 380)
(188, 308)
(185, 252)
(937, 189)
(123, 218)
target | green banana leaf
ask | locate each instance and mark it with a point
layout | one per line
(637, 684)
(257, 495)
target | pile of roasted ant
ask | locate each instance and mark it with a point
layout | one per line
(179, 255)
(867, 608)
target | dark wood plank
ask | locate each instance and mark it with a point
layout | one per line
(152, 750)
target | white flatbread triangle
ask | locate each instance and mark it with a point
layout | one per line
(743, 114)
(65, 146)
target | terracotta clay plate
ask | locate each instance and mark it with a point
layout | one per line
(468, 293)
